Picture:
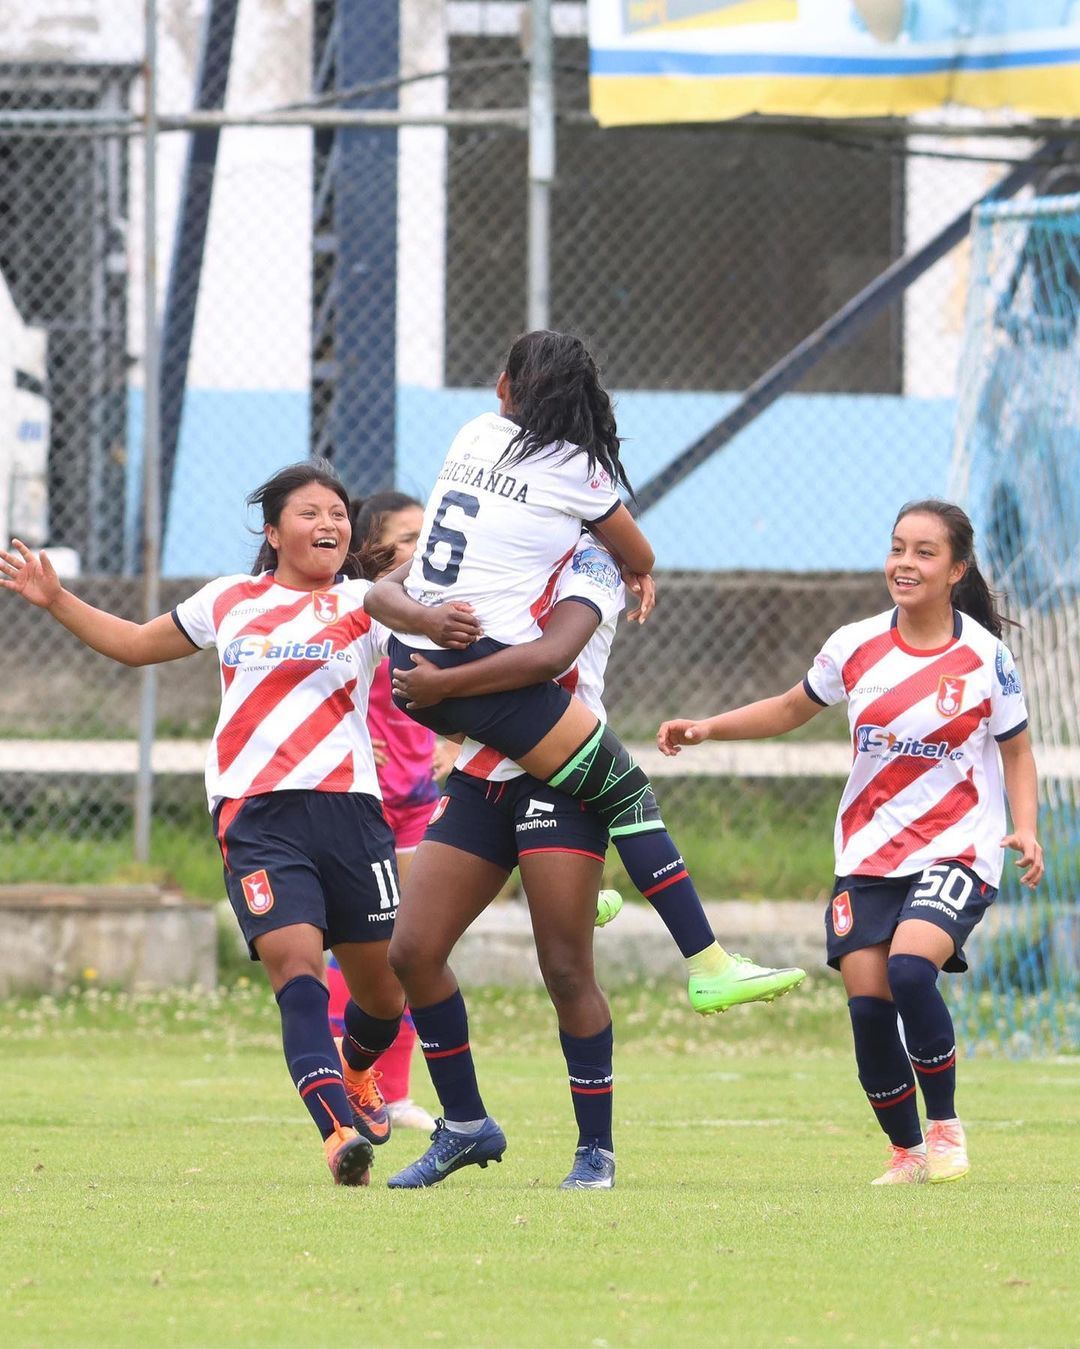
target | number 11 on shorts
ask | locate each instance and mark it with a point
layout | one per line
(386, 880)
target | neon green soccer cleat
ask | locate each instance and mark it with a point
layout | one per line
(608, 906)
(742, 981)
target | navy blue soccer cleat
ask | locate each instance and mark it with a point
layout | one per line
(593, 1169)
(449, 1152)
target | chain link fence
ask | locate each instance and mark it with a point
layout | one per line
(350, 289)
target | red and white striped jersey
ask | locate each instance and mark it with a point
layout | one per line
(925, 783)
(591, 576)
(496, 536)
(295, 671)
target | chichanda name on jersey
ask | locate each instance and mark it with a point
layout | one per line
(486, 479)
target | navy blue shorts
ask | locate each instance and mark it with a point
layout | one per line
(503, 821)
(867, 910)
(513, 722)
(324, 858)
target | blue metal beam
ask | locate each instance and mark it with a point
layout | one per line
(860, 310)
(363, 420)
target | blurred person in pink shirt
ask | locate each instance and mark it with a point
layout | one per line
(407, 760)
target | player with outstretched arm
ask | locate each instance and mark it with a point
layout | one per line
(309, 858)
(937, 721)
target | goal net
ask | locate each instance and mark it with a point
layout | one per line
(1016, 470)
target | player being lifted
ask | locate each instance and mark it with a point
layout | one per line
(506, 514)
(936, 712)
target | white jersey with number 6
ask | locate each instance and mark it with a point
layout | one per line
(495, 536)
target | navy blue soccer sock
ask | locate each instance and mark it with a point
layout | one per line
(366, 1036)
(928, 1029)
(588, 1064)
(443, 1031)
(885, 1070)
(604, 777)
(656, 867)
(311, 1053)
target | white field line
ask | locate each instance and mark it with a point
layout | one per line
(736, 758)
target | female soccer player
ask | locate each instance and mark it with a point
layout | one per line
(406, 761)
(309, 858)
(505, 516)
(936, 712)
(492, 817)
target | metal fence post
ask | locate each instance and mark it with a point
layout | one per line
(151, 487)
(541, 162)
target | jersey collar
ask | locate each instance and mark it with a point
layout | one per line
(924, 651)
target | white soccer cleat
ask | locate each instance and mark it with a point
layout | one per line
(946, 1150)
(406, 1114)
(906, 1167)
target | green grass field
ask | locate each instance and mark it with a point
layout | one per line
(162, 1185)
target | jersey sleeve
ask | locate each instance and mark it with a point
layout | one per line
(380, 639)
(589, 496)
(195, 615)
(1008, 711)
(824, 681)
(592, 577)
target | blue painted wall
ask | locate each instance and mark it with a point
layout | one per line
(812, 485)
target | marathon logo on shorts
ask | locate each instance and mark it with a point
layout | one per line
(257, 892)
(950, 695)
(540, 815)
(843, 920)
(326, 607)
(440, 809)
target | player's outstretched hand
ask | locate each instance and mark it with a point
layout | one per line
(454, 625)
(1030, 860)
(379, 752)
(31, 577)
(672, 735)
(420, 685)
(644, 587)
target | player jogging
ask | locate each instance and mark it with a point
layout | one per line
(309, 858)
(506, 514)
(936, 713)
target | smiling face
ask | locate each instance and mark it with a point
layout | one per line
(400, 531)
(919, 570)
(311, 536)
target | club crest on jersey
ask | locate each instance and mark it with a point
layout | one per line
(843, 919)
(950, 695)
(326, 607)
(257, 893)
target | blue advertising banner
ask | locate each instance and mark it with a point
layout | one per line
(709, 60)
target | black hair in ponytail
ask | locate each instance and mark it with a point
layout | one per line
(557, 399)
(971, 594)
